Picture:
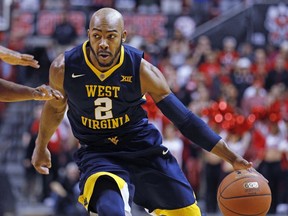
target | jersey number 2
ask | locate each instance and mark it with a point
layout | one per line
(103, 108)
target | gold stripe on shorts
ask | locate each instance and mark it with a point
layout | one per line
(84, 198)
(192, 210)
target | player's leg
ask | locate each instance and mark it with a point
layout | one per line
(106, 199)
(106, 194)
(93, 167)
(163, 189)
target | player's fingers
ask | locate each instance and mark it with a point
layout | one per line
(52, 92)
(254, 170)
(43, 94)
(32, 63)
(28, 60)
(242, 164)
(27, 57)
(56, 94)
(42, 170)
(248, 164)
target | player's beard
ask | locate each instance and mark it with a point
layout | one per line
(110, 63)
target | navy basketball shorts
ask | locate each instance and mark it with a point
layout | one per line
(151, 178)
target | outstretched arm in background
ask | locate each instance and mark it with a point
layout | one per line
(191, 126)
(12, 92)
(52, 115)
(15, 58)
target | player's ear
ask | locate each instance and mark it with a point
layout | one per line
(124, 35)
(88, 32)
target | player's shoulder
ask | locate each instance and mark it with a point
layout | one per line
(75, 51)
(132, 50)
(58, 62)
(56, 72)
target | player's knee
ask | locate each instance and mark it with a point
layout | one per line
(106, 198)
(108, 209)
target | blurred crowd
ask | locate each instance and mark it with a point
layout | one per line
(240, 90)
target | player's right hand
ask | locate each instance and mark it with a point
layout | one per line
(41, 160)
(45, 92)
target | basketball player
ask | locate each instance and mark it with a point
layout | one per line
(12, 92)
(121, 158)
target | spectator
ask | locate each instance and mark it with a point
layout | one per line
(185, 24)
(32, 180)
(171, 7)
(271, 164)
(242, 77)
(64, 33)
(179, 49)
(184, 72)
(228, 56)
(282, 207)
(246, 50)
(229, 93)
(218, 83)
(238, 138)
(173, 142)
(200, 10)
(65, 190)
(55, 148)
(278, 74)
(260, 65)
(212, 172)
(202, 47)
(125, 5)
(210, 68)
(254, 96)
(148, 6)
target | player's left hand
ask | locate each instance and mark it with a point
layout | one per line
(241, 163)
(45, 92)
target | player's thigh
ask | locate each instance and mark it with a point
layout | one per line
(162, 188)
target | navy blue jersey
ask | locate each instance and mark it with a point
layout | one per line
(104, 107)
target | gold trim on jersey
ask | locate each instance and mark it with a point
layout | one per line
(102, 76)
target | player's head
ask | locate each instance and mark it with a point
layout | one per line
(106, 34)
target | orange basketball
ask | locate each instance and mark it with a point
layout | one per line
(243, 193)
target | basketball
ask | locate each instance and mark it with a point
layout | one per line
(244, 192)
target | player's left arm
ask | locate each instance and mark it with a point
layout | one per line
(222, 150)
(194, 128)
(15, 58)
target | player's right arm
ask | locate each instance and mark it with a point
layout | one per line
(52, 115)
